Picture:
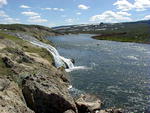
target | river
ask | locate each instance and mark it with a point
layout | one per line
(118, 72)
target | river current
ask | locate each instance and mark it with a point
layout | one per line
(117, 72)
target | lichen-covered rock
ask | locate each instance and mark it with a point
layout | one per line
(47, 94)
(11, 98)
(88, 103)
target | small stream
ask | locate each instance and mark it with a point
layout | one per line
(117, 72)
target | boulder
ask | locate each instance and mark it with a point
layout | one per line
(47, 94)
(11, 98)
(88, 103)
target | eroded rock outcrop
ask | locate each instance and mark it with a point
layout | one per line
(11, 98)
(47, 94)
(8, 62)
(88, 103)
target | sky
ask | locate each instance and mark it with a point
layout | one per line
(66, 12)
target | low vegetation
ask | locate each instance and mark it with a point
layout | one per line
(25, 57)
(124, 32)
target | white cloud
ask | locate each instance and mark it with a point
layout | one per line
(37, 20)
(138, 5)
(123, 5)
(61, 9)
(24, 6)
(53, 9)
(3, 14)
(123, 13)
(6, 19)
(146, 17)
(78, 13)
(48, 8)
(11, 20)
(34, 17)
(141, 5)
(70, 20)
(30, 13)
(110, 16)
(3, 2)
(84, 7)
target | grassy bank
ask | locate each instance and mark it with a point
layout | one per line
(20, 56)
(138, 32)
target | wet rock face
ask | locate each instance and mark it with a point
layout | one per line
(88, 103)
(73, 61)
(47, 94)
(11, 98)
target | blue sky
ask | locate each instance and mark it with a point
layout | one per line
(63, 12)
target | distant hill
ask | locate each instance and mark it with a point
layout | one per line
(40, 32)
(126, 32)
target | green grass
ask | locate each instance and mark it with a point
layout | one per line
(12, 38)
(139, 38)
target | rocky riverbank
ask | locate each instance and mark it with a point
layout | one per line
(29, 81)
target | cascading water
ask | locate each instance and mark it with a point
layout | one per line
(59, 60)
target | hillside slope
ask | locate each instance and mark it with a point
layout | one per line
(28, 77)
(125, 32)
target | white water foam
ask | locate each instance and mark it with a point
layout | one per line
(78, 68)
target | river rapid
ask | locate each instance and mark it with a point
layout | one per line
(117, 72)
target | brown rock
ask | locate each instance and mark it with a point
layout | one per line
(11, 98)
(49, 95)
(88, 103)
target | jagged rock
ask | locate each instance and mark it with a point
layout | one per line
(47, 94)
(11, 98)
(21, 54)
(8, 62)
(88, 103)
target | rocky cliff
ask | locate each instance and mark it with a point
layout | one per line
(29, 81)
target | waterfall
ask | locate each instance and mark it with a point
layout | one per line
(58, 59)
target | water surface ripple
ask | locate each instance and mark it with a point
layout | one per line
(118, 72)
